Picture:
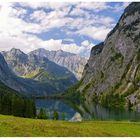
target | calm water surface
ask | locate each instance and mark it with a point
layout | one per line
(51, 105)
(92, 112)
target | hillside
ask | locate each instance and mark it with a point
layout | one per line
(112, 75)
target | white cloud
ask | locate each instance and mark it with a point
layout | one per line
(69, 40)
(51, 44)
(120, 7)
(78, 12)
(85, 43)
(14, 30)
(13, 25)
(96, 7)
(86, 48)
(38, 15)
(29, 43)
(34, 5)
(98, 33)
(60, 16)
(63, 6)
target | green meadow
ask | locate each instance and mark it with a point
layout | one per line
(22, 127)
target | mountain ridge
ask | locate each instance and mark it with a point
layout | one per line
(26, 86)
(111, 76)
(40, 69)
(73, 62)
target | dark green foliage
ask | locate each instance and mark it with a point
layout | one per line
(138, 55)
(130, 91)
(102, 75)
(95, 98)
(55, 115)
(130, 105)
(63, 116)
(73, 93)
(74, 87)
(118, 85)
(17, 106)
(13, 103)
(118, 57)
(42, 114)
(30, 109)
(112, 101)
(86, 87)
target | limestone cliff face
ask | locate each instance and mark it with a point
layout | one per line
(72, 62)
(114, 65)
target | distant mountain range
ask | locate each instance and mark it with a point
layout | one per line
(37, 72)
(25, 86)
(22, 63)
(73, 62)
(39, 69)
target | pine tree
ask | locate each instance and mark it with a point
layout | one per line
(42, 114)
(55, 115)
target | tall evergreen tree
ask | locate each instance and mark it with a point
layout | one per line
(42, 114)
(55, 115)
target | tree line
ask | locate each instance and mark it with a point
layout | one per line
(13, 103)
(43, 114)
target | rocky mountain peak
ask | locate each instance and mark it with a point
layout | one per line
(73, 62)
(113, 68)
(15, 51)
(37, 67)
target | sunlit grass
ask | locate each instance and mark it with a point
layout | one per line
(22, 127)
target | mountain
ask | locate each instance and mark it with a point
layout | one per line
(72, 62)
(39, 69)
(26, 86)
(16, 60)
(111, 76)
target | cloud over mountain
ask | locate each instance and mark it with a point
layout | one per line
(29, 26)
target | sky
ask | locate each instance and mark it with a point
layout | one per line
(72, 27)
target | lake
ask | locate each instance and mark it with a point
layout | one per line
(51, 105)
(92, 112)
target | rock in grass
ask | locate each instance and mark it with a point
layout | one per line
(76, 118)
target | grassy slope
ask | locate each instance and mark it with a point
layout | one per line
(14, 126)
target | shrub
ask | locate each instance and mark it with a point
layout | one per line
(117, 57)
(42, 114)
